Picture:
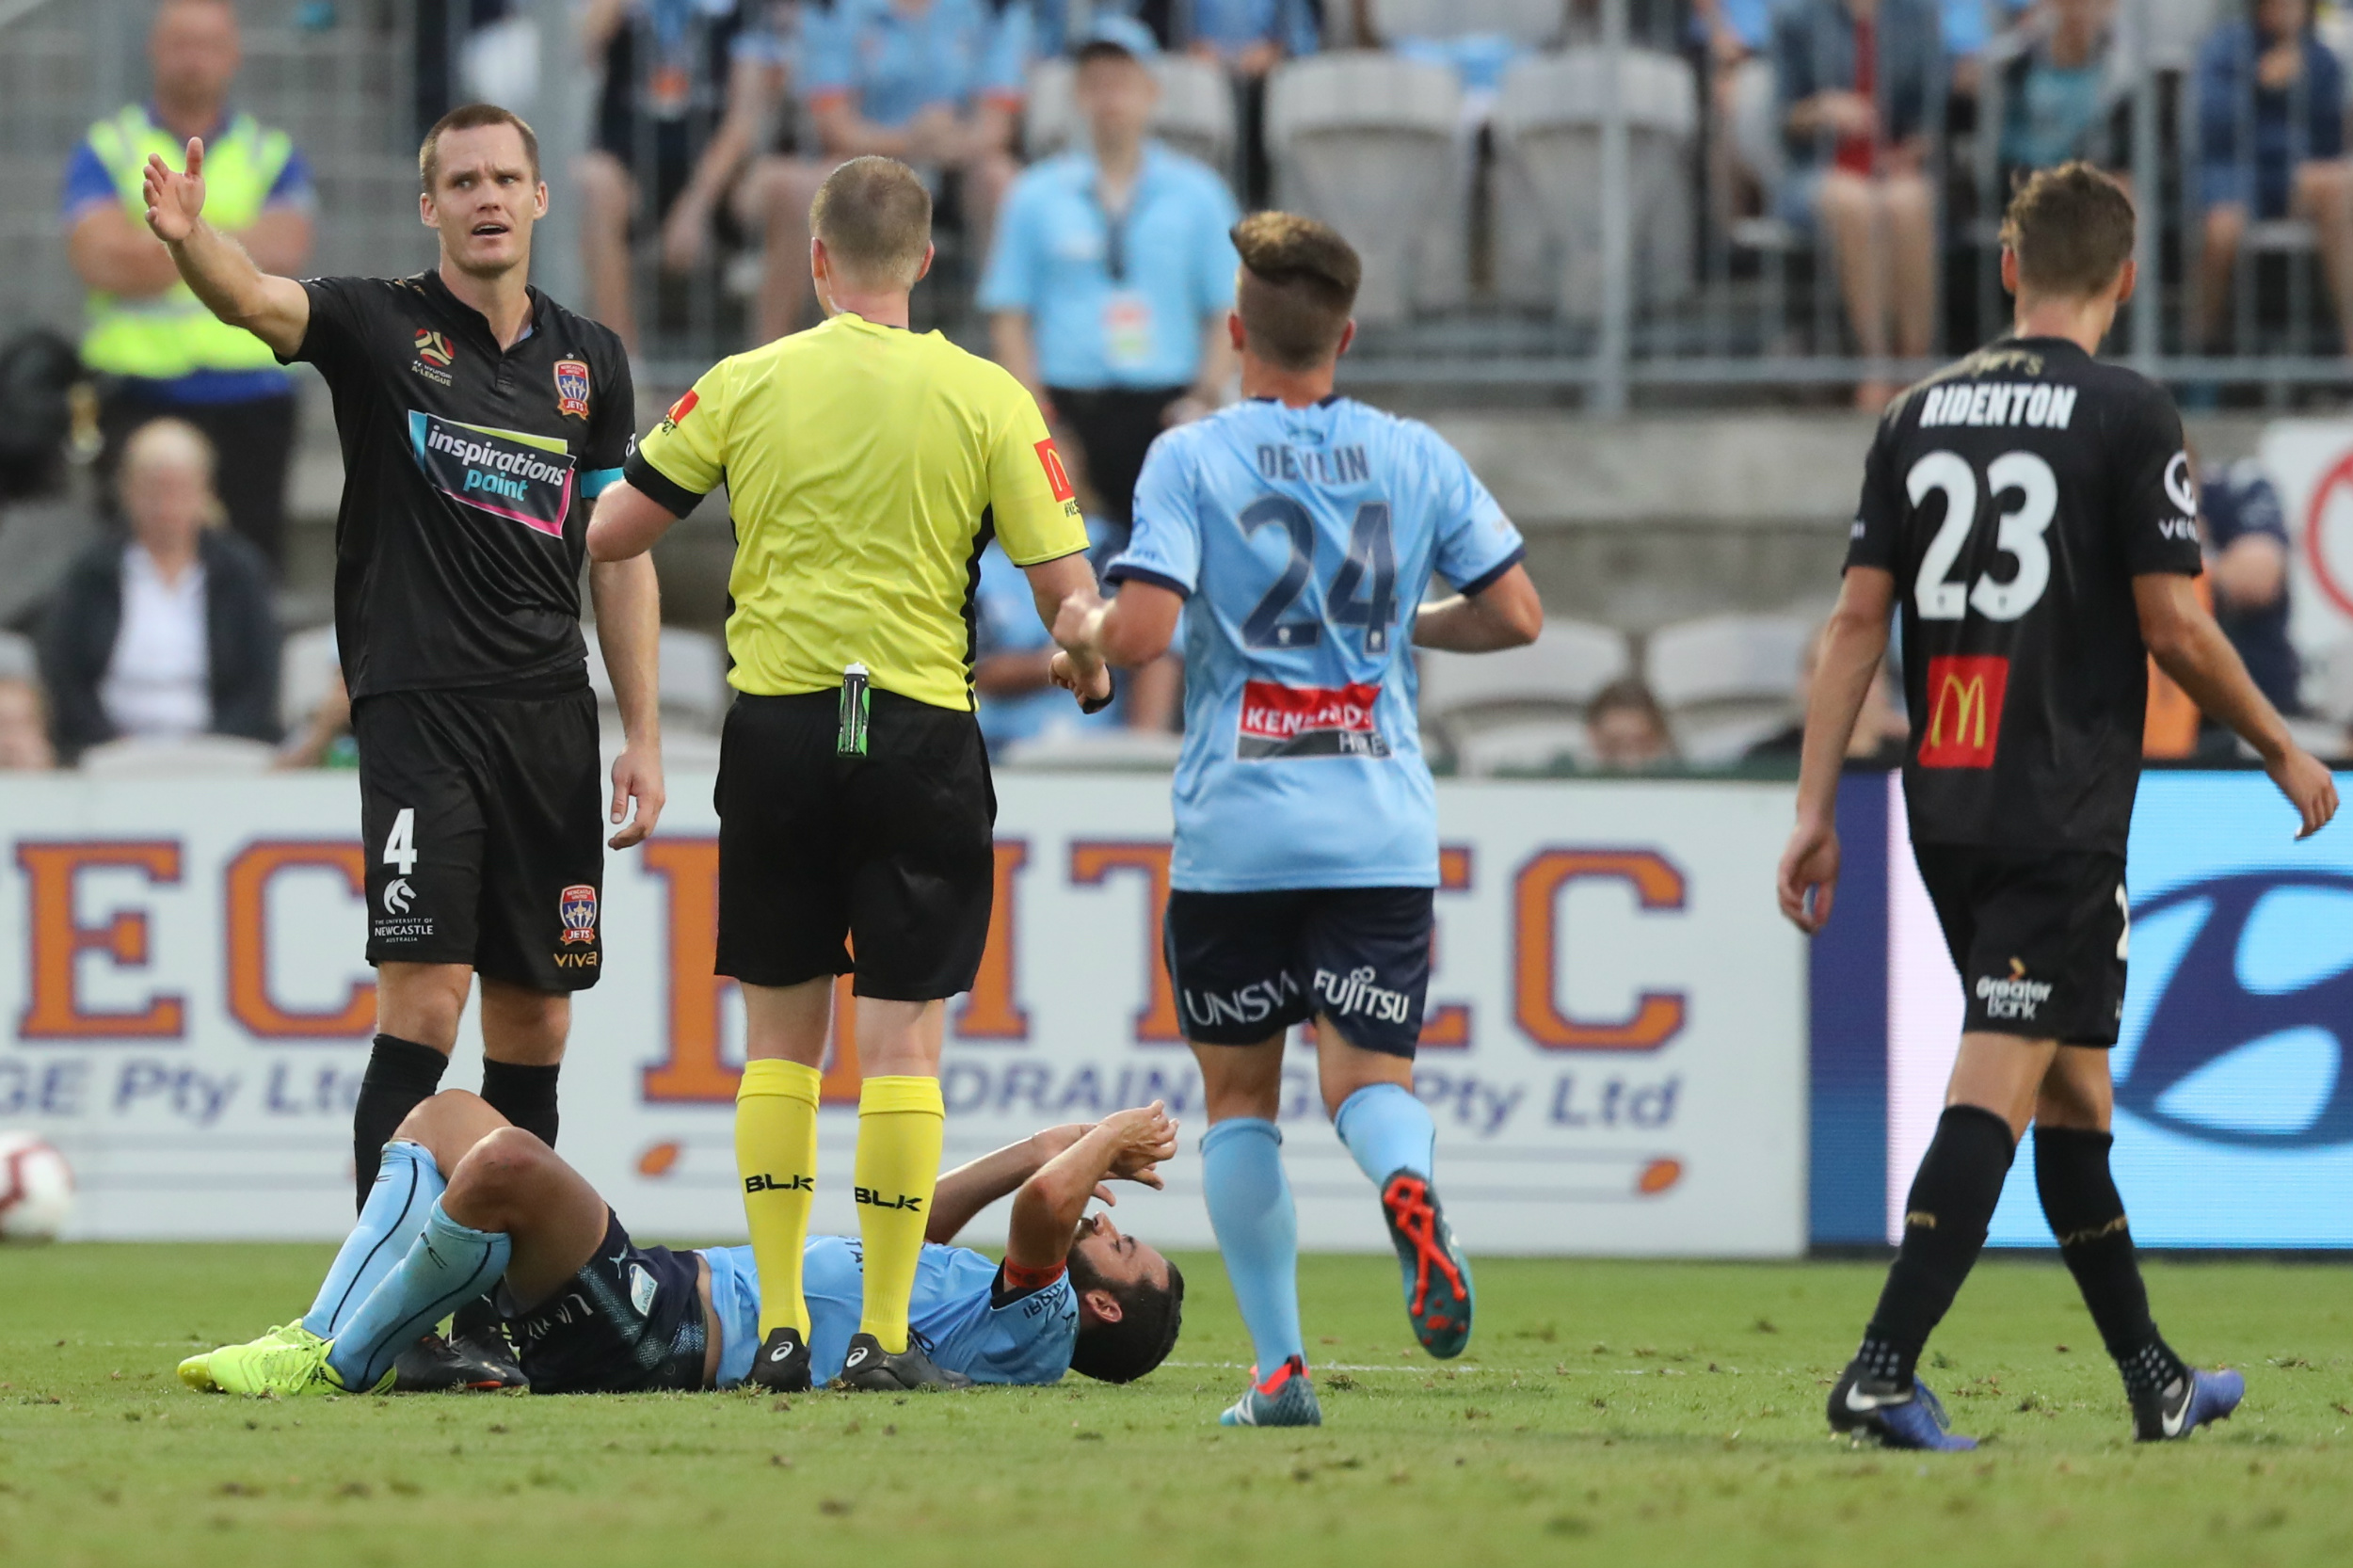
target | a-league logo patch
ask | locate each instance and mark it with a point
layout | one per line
(579, 909)
(679, 409)
(571, 388)
(434, 349)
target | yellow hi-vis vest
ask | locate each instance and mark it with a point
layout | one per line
(172, 334)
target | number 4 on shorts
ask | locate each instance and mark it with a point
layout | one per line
(400, 849)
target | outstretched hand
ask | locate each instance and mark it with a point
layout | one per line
(175, 199)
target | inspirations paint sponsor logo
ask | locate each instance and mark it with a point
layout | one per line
(1310, 721)
(508, 474)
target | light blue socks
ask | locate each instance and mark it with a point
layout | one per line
(446, 1266)
(1387, 1129)
(407, 1185)
(1257, 1231)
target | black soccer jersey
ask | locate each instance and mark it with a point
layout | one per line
(2016, 496)
(467, 476)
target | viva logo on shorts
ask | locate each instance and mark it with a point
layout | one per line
(508, 474)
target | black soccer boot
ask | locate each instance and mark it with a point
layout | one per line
(437, 1365)
(782, 1364)
(870, 1368)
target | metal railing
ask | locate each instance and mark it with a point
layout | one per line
(1681, 267)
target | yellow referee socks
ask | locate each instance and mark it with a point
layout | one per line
(901, 1127)
(776, 1154)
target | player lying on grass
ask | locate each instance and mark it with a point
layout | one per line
(592, 1312)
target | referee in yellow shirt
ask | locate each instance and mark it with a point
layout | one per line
(866, 468)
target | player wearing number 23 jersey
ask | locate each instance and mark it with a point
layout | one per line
(1303, 539)
(2016, 496)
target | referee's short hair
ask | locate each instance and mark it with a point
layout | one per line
(2070, 229)
(1298, 285)
(875, 218)
(471, 117)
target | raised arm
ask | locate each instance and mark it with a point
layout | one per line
(275, 310)
(1128, 1144)
(2190, 647)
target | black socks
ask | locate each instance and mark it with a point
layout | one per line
(2079, 1198)
(1945, 1216)
(524, 1096)
(401, 1076)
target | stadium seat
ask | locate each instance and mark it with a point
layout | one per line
(1533, 24)
(1563, 667)
(306, 672)
(1512, 709)
(1755, 131)
(1726, 682)
(1547, 210)
(197, 757)
(694, 680)
(1369, 144)
(1523, 745)
(1195, 114)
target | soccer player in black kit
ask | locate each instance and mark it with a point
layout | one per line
(478, 420)
(2035, 511)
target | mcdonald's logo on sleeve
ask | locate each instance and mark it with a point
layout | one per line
(1964, 698)
(1057, 477)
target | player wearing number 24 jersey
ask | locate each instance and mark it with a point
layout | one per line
(1300, 530)
(2031, 512)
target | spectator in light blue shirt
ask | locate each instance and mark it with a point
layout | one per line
(1250, 38)
(1112, 275)
(934, 83)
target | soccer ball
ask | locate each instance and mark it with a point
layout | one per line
(36, 1189)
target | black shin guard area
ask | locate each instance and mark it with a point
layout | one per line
(1946, 1217)
(524, 1096)
(402, 1075)
(2087, 1215)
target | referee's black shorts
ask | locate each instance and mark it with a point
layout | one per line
(891, 850)
(484, 824)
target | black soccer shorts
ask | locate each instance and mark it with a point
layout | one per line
(629, 1320)
(887, 857)
(2039, 936)
(483, 830)
(1249, 965)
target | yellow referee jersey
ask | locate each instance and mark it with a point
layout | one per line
(865, 467)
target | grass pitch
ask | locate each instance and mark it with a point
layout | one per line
(1607, 1413)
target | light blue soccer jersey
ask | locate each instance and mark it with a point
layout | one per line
(1028, 1340)
(1304, 539)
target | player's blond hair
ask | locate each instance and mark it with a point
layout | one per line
(1298, 285)
(2070, 229)
(875, 219)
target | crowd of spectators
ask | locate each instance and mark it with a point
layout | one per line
(1102, 270)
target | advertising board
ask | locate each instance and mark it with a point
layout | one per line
(1613, 1051)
